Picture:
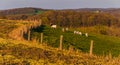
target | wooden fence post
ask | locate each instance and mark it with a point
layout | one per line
(91, 48)
(21, 33)
(61, 39)
(63, 30)
(29, 35)
(41, 39)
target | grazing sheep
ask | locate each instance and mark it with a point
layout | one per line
(80, 33)
(63, 29)
(53, 26)
(86, 34)
(77, 32)
(74, 32)
(66, 29)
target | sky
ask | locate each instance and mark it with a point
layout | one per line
(59, 4)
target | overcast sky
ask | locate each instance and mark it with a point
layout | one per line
(59, 4)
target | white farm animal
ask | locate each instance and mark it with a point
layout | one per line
(86, 34)
(80, 33)
(75, 32)
(66, 29)
(53, 26)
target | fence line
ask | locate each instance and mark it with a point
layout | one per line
(91, 48)
(41, 39)
(29, 32)
(61, 39)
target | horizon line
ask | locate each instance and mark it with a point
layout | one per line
(65, 8)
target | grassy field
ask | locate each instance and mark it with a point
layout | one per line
(14, 52)
(103, 44)
(39, 12)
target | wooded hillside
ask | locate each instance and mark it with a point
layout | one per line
(69, 18)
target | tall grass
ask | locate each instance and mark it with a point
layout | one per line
(28, 53)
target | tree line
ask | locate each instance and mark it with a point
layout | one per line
(76, 19)
(67, 18)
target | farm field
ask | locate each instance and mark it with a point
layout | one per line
(30, 52)
(103, 44)
(27, 37)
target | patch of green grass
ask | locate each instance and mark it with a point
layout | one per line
(103, 44)
(38, 12)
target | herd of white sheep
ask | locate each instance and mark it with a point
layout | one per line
(80, 33)
(75, 32)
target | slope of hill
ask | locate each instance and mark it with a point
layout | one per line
(7, 26)
(104, 44)
(31, 10)
(91, 15)
(75, 47)
(113, 11)
(14, 52)
(15, 29)
(19, 11)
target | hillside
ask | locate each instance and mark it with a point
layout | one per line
(27, 11)
(13, 29)
(29, 53)
(114, 11)
(23, 52)
(21, 11)
(7, 26)
(16, 29)
(103, 44)
(26, 37)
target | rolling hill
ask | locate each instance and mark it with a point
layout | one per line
(21, 52)
(20, 11)
(20, 40)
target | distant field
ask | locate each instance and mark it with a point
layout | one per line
(103, 44)
(39, 12)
